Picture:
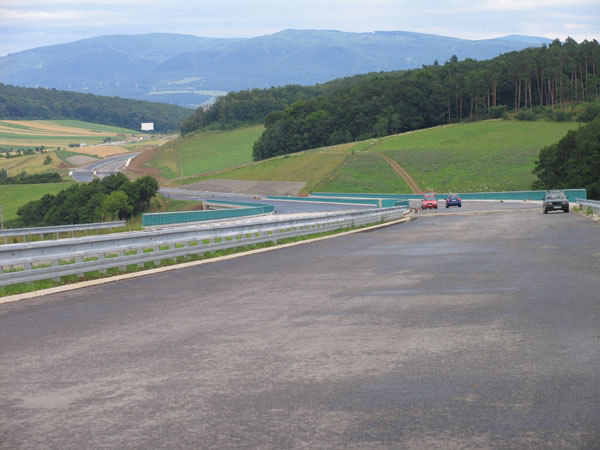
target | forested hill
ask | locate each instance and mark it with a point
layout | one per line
(253, 106)
(394, 102)
(40, 103)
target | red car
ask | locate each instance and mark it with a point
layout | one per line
(429, 201)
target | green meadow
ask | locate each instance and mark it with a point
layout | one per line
(13, 196)
(206, 151)
(492, 155)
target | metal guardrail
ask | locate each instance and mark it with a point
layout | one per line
(68, 256)
(41, 231)
(593, 204)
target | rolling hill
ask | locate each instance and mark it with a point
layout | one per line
(491, 155)
(189, 70)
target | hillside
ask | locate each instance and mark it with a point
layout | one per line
(482, 156)
(189, 70)
(532, 83)
(199, 153)
(39, 103)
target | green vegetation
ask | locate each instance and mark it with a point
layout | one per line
(100, 200)
(388, 103)
(572, 162)
(94, 126)
(64, 155)
(484, 156)
(24, 178)
(311, 167)
(253, 106)
(40, 103)
(493, 155)
(207, 151)
(363, 172)
(57, 133)
(12, 197)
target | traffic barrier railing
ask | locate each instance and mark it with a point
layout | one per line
(594, 205)
(21, 263)
(57, 230)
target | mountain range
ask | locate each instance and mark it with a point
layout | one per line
(189, 70)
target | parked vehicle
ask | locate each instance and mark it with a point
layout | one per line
(554, 201)
(453, 200)
(429, 201)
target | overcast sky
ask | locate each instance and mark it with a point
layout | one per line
(28, 24)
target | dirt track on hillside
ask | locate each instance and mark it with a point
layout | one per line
(412, 184)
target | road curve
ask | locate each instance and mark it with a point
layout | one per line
(102, 168)
(450, 331)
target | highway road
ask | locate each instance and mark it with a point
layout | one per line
(471, 330)
(102, 168)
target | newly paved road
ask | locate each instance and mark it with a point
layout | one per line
(102, 168)
(459, 331)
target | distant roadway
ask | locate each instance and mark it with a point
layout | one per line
(102, 168)
(469, 330)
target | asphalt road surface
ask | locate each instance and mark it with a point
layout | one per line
(281, 207)
(102, 168)
(451, 331)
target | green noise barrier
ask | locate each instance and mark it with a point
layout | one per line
(357, 199)
(571, 194)
(243, 210)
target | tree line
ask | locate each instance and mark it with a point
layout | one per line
(572, 162)
(388, 103)
(25, 178)
(113, 197)
(252, 106)
(39, 103)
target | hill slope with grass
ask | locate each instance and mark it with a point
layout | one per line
(493, 155)
(200, 153)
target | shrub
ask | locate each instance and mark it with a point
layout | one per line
(526, 115)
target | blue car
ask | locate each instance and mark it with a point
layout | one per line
(453, 200)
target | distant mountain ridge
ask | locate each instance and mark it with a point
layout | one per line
(188, 70)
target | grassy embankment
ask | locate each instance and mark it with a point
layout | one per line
(481, 156)
(206, 152)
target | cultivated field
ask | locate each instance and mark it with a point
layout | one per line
(24, 135)
(55, 133)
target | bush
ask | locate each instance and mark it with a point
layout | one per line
(589, 113)
(497, 112)
(526, 115)
(562, 116)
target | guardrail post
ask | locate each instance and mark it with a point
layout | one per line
(156, 249)
(55, 263)
(122, 253)
(79, 260)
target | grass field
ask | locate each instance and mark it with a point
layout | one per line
(481, 156)
(13, 196)
(206, 152)
(313, 167)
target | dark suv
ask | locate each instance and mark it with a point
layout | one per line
(555, 200)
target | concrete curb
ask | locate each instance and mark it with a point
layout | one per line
(127, 276)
